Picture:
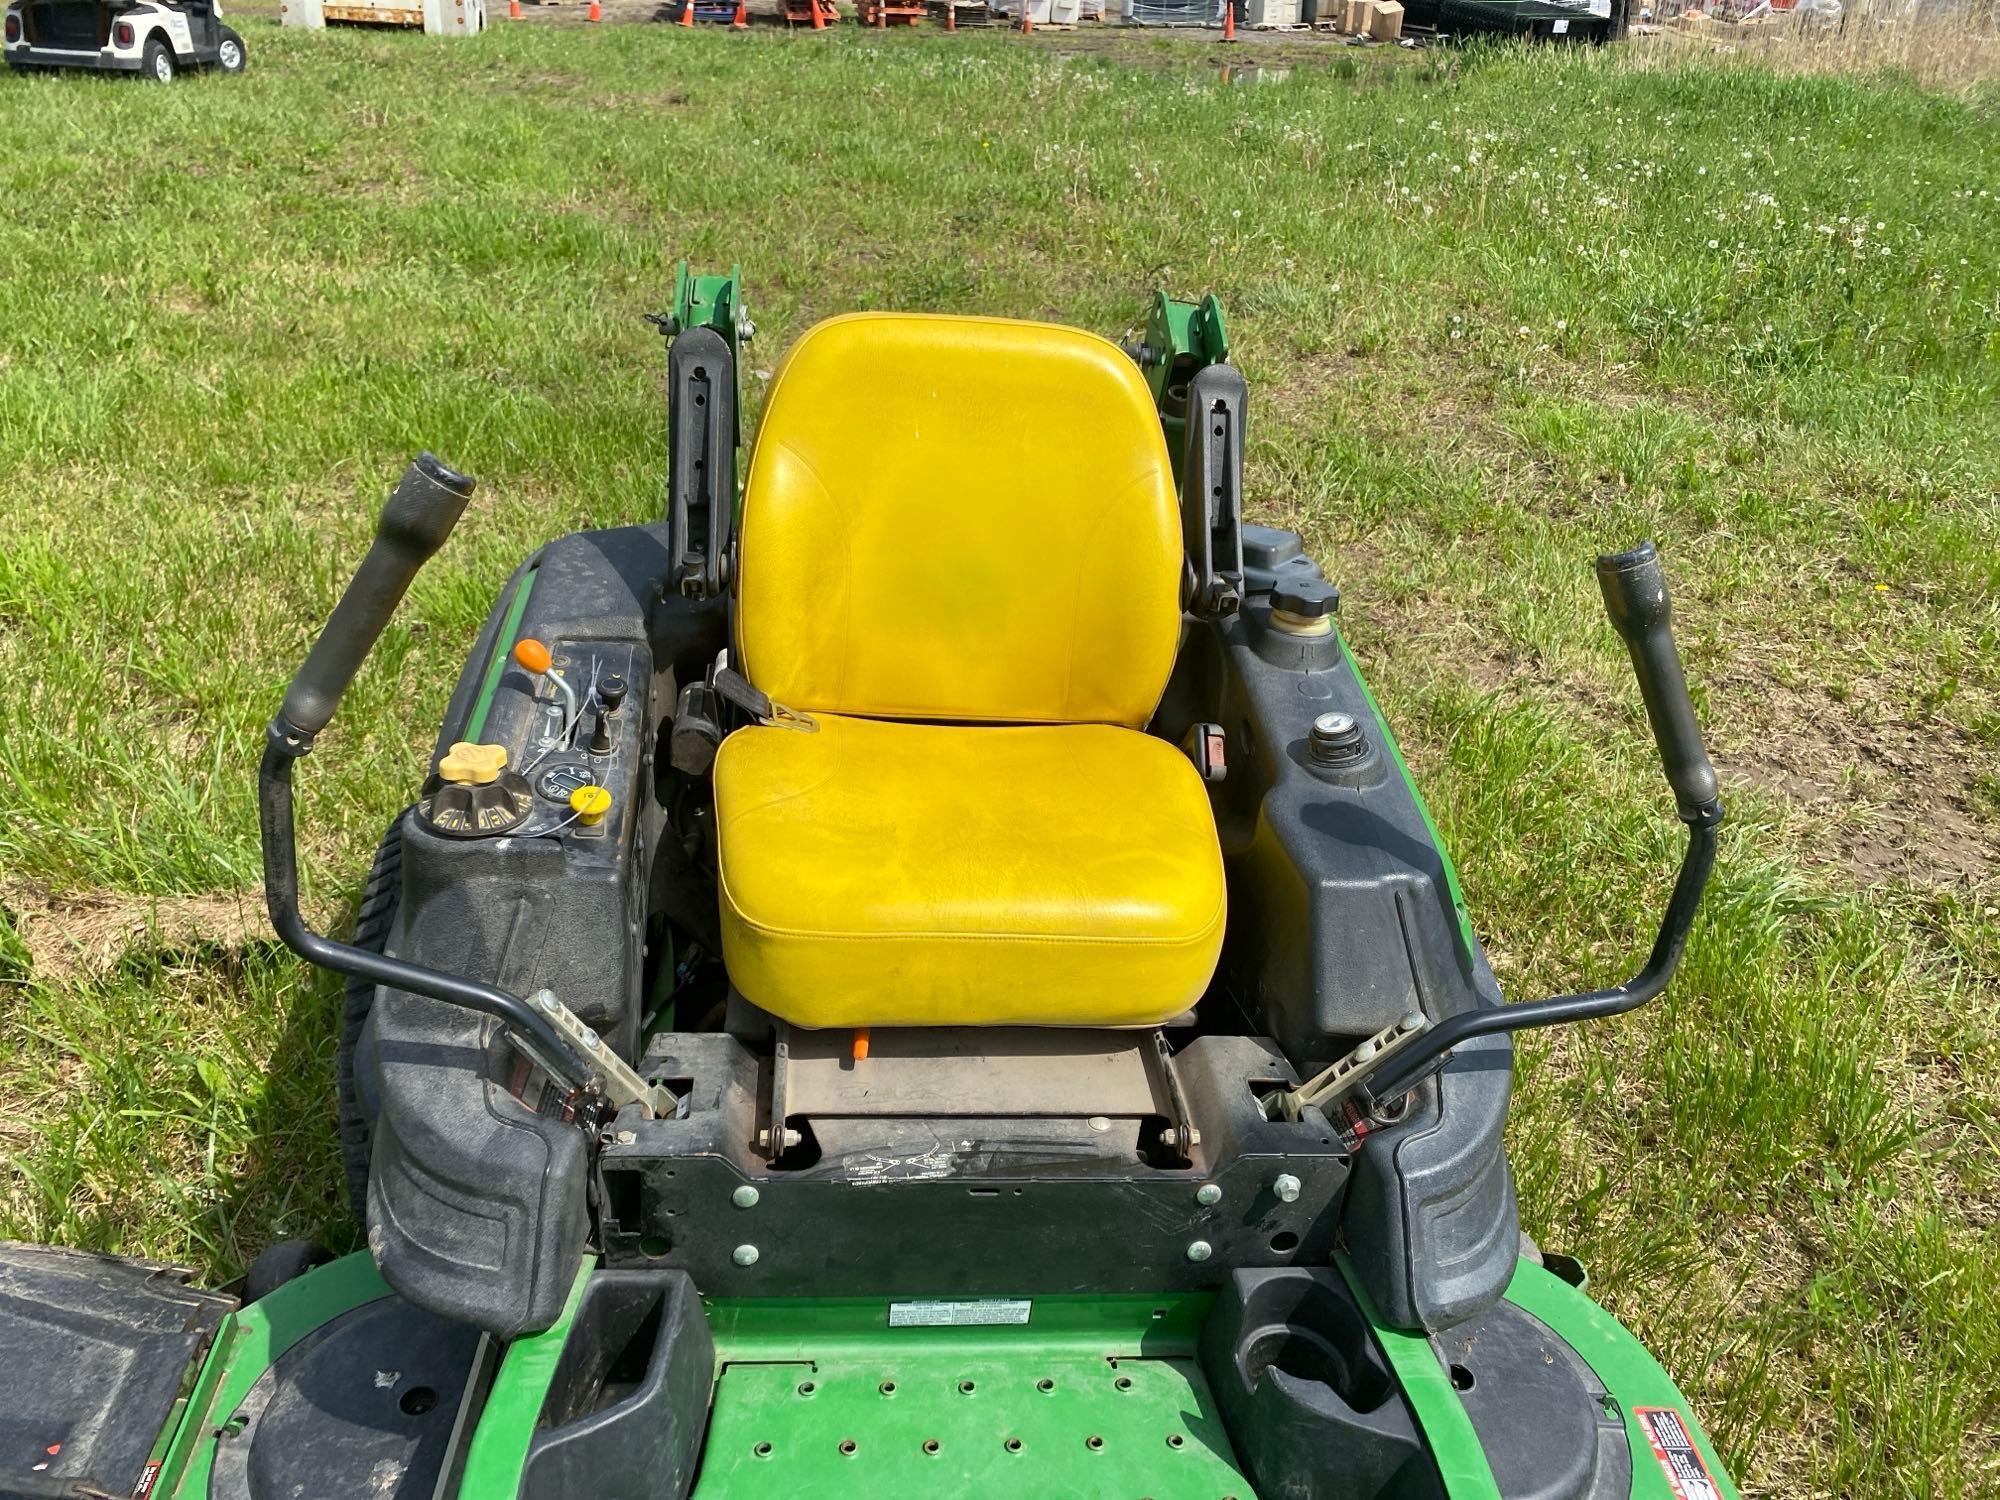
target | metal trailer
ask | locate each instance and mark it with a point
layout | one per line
(436, 17)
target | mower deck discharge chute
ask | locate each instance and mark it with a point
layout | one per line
(926, 977)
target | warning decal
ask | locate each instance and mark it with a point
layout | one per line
(146, 1479)
(986, 1313)
(1673, 1446)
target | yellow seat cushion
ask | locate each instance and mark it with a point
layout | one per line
(968, 519)
(889, 874)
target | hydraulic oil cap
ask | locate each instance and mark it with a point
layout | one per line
(1304, 606)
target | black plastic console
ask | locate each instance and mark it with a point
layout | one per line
(1342, 920)
(477, 1191)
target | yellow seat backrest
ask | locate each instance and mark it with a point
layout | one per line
(960, 518)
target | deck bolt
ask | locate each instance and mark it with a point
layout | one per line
(1199, 1250)
(1208, 1194)
(745, 1196)
(1286, 1186)
(744, 1255)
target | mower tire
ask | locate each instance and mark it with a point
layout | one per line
(285, 1261)
(380, 896)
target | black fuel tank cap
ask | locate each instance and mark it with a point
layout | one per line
(1308, 598)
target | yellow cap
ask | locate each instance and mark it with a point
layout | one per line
(473, 765)
(590, 804)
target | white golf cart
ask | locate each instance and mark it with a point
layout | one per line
(156, 39)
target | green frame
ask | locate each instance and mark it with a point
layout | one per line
(712, 301)
(1180, 339)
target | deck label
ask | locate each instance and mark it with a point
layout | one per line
(1673, 1445)
(989, 1312)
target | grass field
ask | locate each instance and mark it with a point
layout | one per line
(1498, 311)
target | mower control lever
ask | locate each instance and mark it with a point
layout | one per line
(1635, 596)
(426, 504)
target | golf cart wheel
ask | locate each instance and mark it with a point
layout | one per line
(229, 53)
(158, 62)
(380, 896)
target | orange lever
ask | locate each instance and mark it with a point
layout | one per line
(532, 654)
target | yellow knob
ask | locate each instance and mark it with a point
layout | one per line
(590, 804)
(473, 765)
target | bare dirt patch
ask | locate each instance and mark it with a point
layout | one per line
(1888, 799)
(1894, 798)
(83, 935)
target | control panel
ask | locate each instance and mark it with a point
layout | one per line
(572, 759)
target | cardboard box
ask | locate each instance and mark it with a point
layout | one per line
(1385, 20)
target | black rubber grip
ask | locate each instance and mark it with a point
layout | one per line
(421, 512)
(1635, 596)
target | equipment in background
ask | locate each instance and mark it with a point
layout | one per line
(156, 40)
(435, 17)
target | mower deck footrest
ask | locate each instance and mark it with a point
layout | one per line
(910, 1417)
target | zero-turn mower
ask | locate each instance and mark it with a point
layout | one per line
(923, 974)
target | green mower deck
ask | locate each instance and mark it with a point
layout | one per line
(1091, 1397)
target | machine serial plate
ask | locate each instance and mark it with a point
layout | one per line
(986, 1313)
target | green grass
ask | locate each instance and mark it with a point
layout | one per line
(1498, 312)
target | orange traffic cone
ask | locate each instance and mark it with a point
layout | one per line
(742, 21)
(951, 15)
(1229, 20)
(513, 10)
(595, 13)
(881, 15)
(1027, 17)
(687, 13)
(819, 21)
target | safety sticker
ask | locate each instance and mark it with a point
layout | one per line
(986, 1313)
(1673, 1446)
(147, 1479)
